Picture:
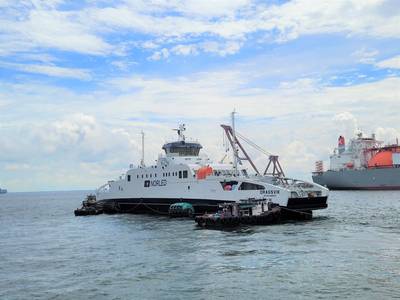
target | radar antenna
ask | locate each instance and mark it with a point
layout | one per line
(180, 131)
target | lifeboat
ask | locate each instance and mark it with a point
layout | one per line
(203, 172)
(382, 159)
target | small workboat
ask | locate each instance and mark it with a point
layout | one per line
(248, 212)
(89, 207)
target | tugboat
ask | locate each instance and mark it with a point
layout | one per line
(249, 212)
(182, 174)
(89, 207)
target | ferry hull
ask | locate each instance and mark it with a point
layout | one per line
(366, 179)
(201, 206)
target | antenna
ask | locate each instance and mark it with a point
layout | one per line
(234, 142)
(142, 160)
(180, 131)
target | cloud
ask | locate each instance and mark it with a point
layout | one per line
(365, 56)
(388, 134)
(185, 50)
(300, 125)
(46, 27)
(291, 96)
(162, 54)
(224, 49)
(16, 167)
(49, 70)
(346, 124)
(168, 24)
(390, 63)
(65, 147)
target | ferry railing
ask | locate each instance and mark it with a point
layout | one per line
(105, 188)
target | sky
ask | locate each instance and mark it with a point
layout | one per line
(79, 80)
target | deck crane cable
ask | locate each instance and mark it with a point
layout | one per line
(254, 145)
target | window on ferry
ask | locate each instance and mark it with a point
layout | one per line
(155, 175)
(229, 185)
(142, 175)
(180, 174)
(151, 175)
(187, 151)
(128, 177)
(185, 174)
(245, 186)
(169, 173)
(137, 176)
(147, 176)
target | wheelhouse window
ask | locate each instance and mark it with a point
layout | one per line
(246, 186)
(182, 148)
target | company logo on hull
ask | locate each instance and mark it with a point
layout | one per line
(157, 182)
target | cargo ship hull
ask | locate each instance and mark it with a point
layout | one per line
(364, 179)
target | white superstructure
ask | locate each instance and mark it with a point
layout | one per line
(355, 156)
(182, 174)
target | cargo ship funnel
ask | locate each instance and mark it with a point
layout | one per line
(341, 144)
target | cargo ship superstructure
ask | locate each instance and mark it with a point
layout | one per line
(182, 174)
(365, 165)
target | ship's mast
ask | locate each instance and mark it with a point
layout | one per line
(142, 164)
(180, 131)
(234, 144)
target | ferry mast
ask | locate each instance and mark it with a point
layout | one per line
(234, 143)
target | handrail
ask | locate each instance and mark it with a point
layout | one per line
(103, 187)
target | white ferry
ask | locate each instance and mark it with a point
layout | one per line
(182, 174)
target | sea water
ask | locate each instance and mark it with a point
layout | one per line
(350, 250)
